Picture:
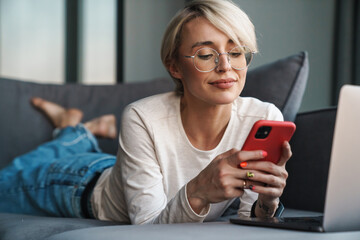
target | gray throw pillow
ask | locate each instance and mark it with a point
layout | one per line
(282, 83)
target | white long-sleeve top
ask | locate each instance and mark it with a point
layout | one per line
(156, 160)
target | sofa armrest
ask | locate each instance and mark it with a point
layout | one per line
(309, 165)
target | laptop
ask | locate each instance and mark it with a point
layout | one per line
(342, 208)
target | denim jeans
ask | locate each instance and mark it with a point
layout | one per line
(50, 180)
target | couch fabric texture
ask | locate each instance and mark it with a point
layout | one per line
(23, 128)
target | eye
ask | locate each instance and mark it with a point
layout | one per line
(205, 56)
(235, 54)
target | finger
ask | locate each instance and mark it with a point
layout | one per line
(242, 156)
(232, 187)
(265, 169)
(272, 192)
(244, 174)
(265, 179)
(240, 183)
(270, 180)
(286, 153)
(249, 184)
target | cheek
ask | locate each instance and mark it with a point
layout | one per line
(242, 79)
(189, 73)
(242, 76)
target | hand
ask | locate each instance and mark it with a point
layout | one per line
(272, 178)
(222, 179)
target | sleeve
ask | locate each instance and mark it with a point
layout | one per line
(246, 202)
(142, 179)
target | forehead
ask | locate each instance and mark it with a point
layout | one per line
(200, 30)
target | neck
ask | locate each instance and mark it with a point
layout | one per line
(205, 125)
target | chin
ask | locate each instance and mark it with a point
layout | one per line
(229, 95)
(227, 98)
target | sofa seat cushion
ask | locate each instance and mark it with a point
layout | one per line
(25, 227)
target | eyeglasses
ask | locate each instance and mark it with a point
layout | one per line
(207, 59)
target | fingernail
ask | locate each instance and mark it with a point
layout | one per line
(251, 187)
(264, 154)
(243, 164)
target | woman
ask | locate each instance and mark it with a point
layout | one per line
(178, 158)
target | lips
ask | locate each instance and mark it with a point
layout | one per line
(223, 83)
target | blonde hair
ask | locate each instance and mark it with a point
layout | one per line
(223, 14)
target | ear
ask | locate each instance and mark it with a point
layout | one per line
(174, 70)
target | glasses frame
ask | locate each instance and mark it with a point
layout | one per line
(218, 56)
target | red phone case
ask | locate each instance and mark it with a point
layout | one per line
(280, 131)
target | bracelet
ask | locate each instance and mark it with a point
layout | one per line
(278, 211)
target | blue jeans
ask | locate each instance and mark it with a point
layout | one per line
(50, 180)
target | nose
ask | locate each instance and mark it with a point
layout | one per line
(224, 63)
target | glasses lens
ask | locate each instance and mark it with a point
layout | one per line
(205, 59)
(240, 57)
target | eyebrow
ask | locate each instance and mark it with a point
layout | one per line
(207, 43)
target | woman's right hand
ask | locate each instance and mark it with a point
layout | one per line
(221, 180)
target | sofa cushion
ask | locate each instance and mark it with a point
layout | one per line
(281, 82)
(23, 128)
(25, 227)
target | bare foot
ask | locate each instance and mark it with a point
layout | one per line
(58, 115)
(104, 126)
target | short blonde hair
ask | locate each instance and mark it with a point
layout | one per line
(223, 14)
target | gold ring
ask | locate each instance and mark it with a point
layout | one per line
(250, 174)
(244, 186)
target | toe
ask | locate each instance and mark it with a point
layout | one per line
(36, 101)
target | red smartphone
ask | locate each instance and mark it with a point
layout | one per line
(269, 136)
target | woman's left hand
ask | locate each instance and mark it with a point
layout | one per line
(271, 181)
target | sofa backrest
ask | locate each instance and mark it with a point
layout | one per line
(22, 128)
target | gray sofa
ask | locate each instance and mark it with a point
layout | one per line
(281, 82)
